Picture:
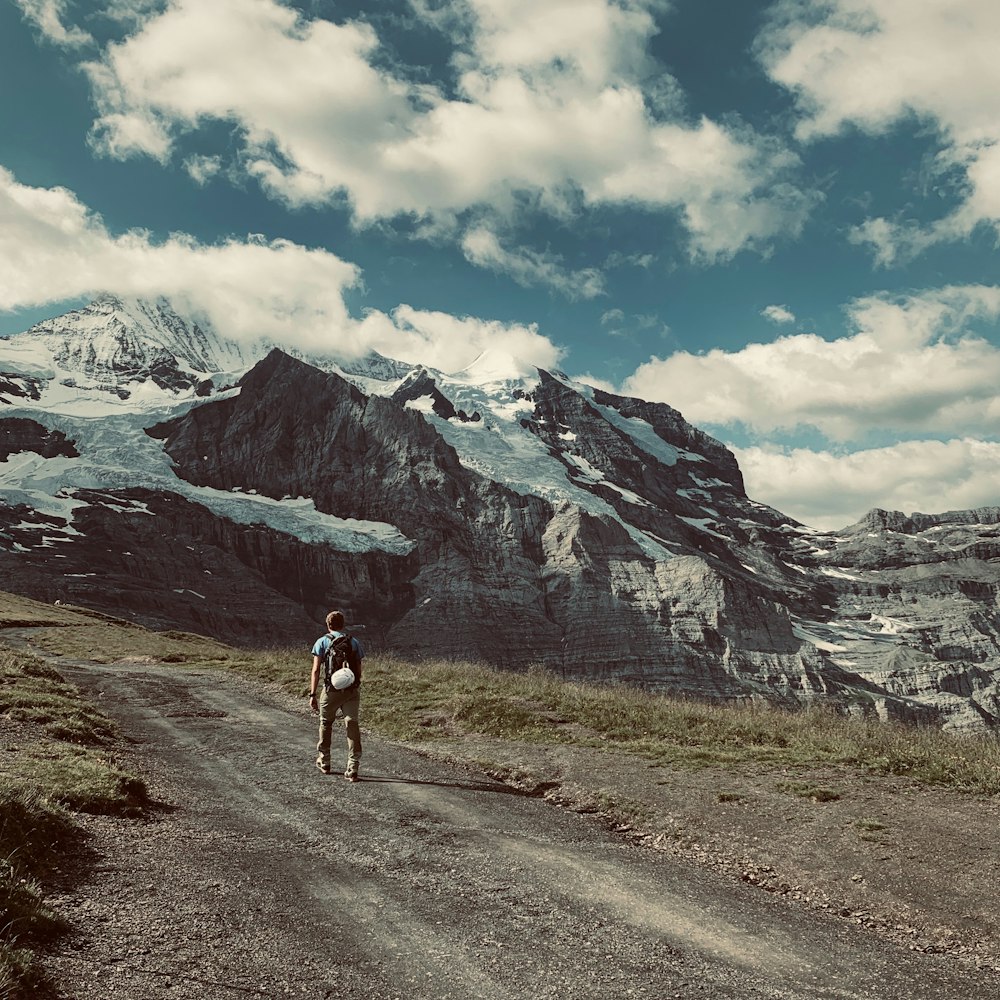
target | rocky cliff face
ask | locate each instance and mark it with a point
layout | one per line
(503, 575)
(508, 515)
(913, 608)
(159, 559)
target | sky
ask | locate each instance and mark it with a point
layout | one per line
(781, 218)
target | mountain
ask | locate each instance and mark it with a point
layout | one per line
(153, 469)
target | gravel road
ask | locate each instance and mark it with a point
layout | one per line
(257, 876)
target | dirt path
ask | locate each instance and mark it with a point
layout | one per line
(260, 877)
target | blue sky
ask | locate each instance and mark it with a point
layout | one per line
(779, 217)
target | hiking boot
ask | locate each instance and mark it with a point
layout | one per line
(325, 768)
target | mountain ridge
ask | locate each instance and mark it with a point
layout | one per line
(489, 513)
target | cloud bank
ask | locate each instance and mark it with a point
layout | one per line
(556, 108)
(914, 365)
(55, 250)
(830, 490)
(873, 64)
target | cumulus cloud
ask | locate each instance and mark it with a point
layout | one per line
(450, 343)
(48, 17)
(549, 111)
(778, 314)
(912, 365)
(829, 491)
(56, 249)
(874, 63)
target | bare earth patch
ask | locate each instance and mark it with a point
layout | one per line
(917, 864)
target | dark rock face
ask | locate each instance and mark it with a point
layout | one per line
(16, 386)
(501, 576)
(296, 431)
(19, 434)
(165, 562)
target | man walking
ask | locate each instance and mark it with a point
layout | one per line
(347, 699)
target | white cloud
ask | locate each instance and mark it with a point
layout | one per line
(201, 169)
(550, 112)
(55, 249)
(528, 267)
(778, 314)
(829, 491)
(913, 365)
(48, 16)
(449, 342)
(874, 63)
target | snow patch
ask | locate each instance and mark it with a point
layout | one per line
(840, 574)
(422, 404)
(702, 524)
(302, 520)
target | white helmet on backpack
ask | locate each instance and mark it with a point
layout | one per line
(342, 678)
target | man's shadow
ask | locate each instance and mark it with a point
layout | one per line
(469, 786)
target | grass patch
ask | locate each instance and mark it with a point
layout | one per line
(33, 831)
(60, 763)
(32, 692)
(78, 778)
(868, 825)
(110, 641)
(808, 790)
(439, 699)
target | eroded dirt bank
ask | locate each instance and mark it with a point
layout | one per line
(261, 877)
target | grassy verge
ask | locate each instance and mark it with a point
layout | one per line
(435, 700)
(55, 760)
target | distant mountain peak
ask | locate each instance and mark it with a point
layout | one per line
(120, 337)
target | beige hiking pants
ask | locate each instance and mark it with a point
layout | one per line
(349, 701)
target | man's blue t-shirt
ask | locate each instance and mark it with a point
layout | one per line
(323, 644)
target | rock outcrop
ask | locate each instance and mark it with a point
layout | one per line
(18, 434)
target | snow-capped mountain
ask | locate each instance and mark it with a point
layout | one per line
(154, 470)
(140, 353)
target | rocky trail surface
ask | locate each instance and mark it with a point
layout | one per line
(257, 876)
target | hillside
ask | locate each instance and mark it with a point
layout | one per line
(883, 828)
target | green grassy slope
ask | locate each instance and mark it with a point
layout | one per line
(54, 762)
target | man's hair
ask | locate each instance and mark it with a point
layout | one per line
(335, 620)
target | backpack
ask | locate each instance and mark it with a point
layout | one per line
(339, 654)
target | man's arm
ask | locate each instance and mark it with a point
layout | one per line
(314, 681)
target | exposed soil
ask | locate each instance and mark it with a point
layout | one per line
(918, 865)
(258, 876)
